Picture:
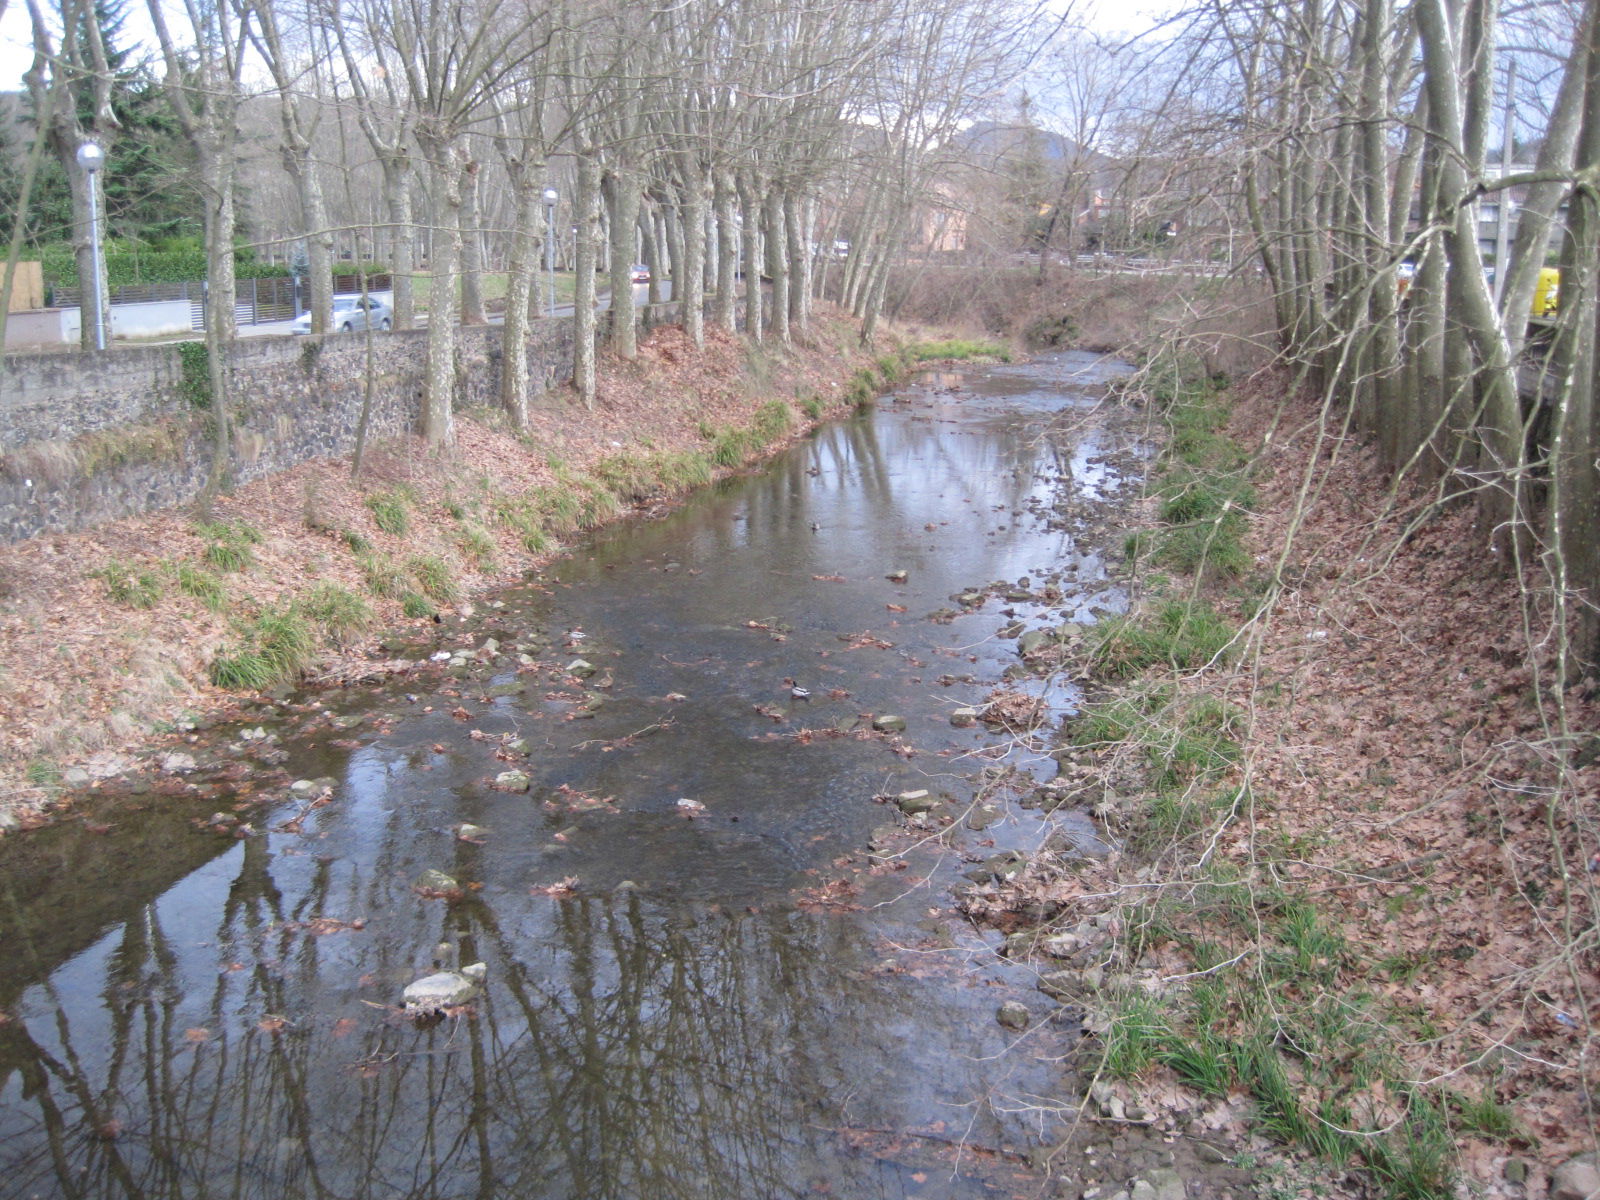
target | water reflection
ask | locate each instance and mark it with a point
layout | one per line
(187, 1015)
(619, 1052)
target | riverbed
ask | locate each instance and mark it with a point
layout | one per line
(667, 794)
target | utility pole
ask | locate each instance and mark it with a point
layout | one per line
(1508, 149)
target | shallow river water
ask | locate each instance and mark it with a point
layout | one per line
(718, 999)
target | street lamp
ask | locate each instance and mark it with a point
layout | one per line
(91, 158)
(550, 198)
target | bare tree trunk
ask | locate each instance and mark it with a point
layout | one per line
(622, 206)
(691, 279)
(1574, 515)
(776, 243)
(525, 245)
(750, 212)
(438, 412)
(725, 311)
(585, 206)
(397, 196)
(796, 226)
(471, 236)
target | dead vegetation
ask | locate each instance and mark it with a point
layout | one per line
(1354, 895)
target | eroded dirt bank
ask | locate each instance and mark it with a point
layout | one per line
(110, 636)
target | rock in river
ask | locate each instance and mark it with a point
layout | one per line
(433, 994)
(432, 880)
(1012, 1015)
(889, 723)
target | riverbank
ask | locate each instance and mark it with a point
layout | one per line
(147, 625)
(1352, 912)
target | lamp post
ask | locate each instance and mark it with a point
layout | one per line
(91, 158)
(550, 197)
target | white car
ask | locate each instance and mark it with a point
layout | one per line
(351, 313)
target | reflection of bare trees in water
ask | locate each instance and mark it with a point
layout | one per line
(622, 1054)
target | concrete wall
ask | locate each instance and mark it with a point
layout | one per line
(37, 327)
(88, 438)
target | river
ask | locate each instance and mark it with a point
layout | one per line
(698, 983)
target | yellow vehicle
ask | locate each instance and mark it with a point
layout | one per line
(1546, 293)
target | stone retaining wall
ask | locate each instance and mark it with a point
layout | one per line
(89, 438)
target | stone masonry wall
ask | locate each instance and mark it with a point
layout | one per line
(86, 439)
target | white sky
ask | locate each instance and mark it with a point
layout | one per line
(16, 41)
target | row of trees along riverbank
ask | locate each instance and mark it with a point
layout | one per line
(1363, 140)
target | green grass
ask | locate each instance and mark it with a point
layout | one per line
(957, 349)
(275, 648)
(1278, 1028)
(637, 477)
(731, 448)
(358, 542)
(337, 612)
(194, 580)
(435, 577)
(230, 545)
(384, 576)
(414, 604)
(1178, 634)
(628, 474)
(132, 585)
(391, 511)
(478, 547)
(771, 421)
(42, 773)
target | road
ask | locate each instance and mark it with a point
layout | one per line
(641, 292)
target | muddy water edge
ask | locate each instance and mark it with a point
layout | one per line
(698, 798)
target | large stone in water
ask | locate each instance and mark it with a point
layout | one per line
(436, 881)
(446, 989)
(1033, 641)
(1012, 1015)
(919, 801)
(889, 723)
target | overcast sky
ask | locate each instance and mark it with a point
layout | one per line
(16, 42)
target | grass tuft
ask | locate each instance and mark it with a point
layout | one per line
(273, 649)
(339, 613)
(434, 576)
(1179, 634)
(194, 580)
(131, 585)
(391, 510)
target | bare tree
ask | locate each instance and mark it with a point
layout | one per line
(204, 88)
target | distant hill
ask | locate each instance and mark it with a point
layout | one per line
(996, 140)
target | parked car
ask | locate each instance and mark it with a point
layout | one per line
(351, 313)
(639, 273)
